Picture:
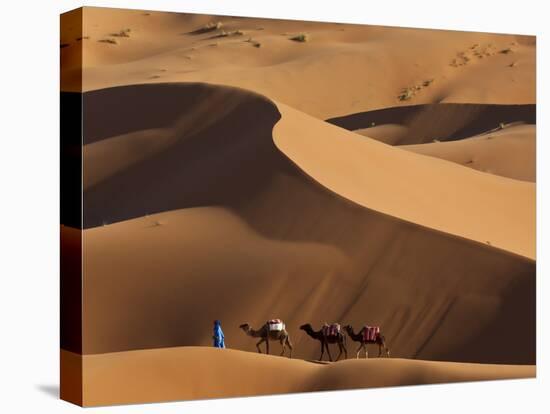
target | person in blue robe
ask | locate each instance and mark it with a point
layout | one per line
(218, 337)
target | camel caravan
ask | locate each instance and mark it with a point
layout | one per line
(275, 330)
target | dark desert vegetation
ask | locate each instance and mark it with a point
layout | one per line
(110, 41)
(122, 33)
(301, 37)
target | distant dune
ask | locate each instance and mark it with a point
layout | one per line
(341, 69)
(199, 373)
(509, 152)
(420, 124)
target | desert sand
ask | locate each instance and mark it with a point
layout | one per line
(509, 152)
(340, 69)
(366, 175)
(198, 373)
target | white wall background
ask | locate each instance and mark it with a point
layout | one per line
(29, 207)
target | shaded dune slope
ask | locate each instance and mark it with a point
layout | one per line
(268, 241)
(418, 124)
(181, 374)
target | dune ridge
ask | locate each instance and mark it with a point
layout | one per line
(284, 245)
(180, 374)
(239, 169)
(433, 193)
(424, 123)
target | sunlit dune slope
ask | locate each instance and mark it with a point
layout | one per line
(509, 152)
(182, 374)
(268, 240)
(340, 69)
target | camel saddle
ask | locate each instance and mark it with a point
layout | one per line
(370, 333)
(331, 330)
(275, 325)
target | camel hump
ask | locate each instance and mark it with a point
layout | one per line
(371, 333)
(331, 329)
(275, 325)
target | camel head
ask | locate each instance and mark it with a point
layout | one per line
(348, 328)
(245, 327)
(306, 326)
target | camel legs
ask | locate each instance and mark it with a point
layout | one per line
(322, 350)
(387, 350)
(340, 353)
(284, 342)
(283, 345)
(287, 342)
(382, 344)
(267, 345)
(258, 345)
(361, 345)
(328, 352)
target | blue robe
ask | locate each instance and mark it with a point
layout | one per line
(219, 338)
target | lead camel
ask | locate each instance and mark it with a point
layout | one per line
(360, 337)
(266, 335)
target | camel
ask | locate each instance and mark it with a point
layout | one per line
(359, 337)
(339, 339)
(266, 335)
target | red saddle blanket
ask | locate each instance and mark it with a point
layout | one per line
(370, 333)
(331, 330)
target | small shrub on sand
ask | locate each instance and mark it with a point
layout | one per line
(302, 37)
(213, 26)
(506, 51)
(122, 33)
(110, 41)
(253, 42)
(406, 94)
(233, 33)
(62, 45)
(210, 27)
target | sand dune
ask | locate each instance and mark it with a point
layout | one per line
(215, 189)
(341, 69)
(509, 152)
(154, 375)
(429, 192)
(276, 243)
(419, 124)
